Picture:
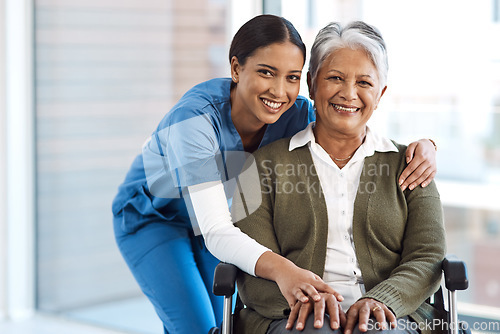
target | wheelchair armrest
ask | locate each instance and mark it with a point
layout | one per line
(455, 273)
(225, 279)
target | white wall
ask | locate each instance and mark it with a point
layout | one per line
(3, 176)
(17, 162)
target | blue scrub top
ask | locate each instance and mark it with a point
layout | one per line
(195, 142)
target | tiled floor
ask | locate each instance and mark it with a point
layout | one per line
(42, 324)
(131, 316)
(135, 315)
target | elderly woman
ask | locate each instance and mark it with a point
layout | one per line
(328, 200)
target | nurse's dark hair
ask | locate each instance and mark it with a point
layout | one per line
(261, 31)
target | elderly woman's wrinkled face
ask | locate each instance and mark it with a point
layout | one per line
(347, 91)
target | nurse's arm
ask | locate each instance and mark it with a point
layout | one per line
(229, 244)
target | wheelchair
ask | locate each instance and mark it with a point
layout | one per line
(455, 278)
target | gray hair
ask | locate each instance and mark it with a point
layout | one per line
(355, 35)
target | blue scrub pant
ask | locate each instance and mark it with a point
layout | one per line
(175, 271)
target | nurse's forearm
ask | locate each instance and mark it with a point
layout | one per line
(225, 241)
(271, 266)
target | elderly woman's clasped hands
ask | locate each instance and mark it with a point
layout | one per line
(328, 303)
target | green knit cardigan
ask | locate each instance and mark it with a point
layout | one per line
(398, 235)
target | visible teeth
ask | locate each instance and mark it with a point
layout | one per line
(344, 108)
(273, 105)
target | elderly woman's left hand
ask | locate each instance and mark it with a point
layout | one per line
(365, 308)
(328, 303)
(421, 169)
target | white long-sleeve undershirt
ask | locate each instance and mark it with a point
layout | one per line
(224, 240)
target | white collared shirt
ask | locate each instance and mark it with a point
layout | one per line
(340, 186)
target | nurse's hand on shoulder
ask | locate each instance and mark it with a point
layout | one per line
(363, 309)
(327, 303)
(422, 167)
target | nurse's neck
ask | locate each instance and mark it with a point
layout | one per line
(251, 136)
(251, 142)
(249, 127)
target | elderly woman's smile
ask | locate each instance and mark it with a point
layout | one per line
(345, 109)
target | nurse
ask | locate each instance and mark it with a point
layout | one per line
(175, 191)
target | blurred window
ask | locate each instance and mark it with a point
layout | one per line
(106, 73)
